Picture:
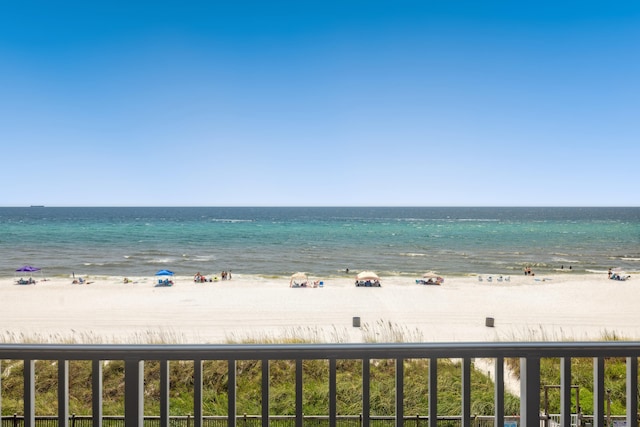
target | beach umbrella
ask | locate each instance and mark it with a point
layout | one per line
(298, 278)
(367, 275)
(28, 269)
(164, 273)
(430, 275)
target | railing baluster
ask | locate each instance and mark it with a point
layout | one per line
(499, 392)
(598, 392)
(63, 393)
(197, 393)
(231, 393)
(565, 392)
(165, 386)
(96, 392)
(299, 385)
(29, 393)
(433, 392)
(265, 392)
(133, 393)
(399, 392)
(530, 391)
(466, 392)
(366, 392)
(632, 392)
(333, 394)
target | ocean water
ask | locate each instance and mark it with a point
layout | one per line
(272, 241)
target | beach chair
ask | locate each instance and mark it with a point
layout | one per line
(489, 279)
(479, 278)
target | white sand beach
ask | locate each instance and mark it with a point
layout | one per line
(564, 306)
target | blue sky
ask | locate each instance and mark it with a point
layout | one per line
(280, 103)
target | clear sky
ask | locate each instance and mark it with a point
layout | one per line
(305, 103)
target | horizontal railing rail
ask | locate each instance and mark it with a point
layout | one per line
(134, 356)
(256, 421)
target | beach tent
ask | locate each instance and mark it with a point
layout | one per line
(367, 278)
(430, 277)
(367, 275)
(298, 279)
(165, 282)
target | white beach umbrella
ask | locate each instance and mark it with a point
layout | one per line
(298, 278)
(367, 275)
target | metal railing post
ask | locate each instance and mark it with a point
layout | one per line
(96, 392)
(433, 392)
(399, 392)
(632, 392)
(265, 392)
(29, 393)
(197, 393)
(231, 393)
(530, 391)
(133, 393)
(565, 392)
(499, 392)
(299, 391)
(165, 386)
(466, 392)
(63, 393)
(366, 392)
(598, 392)
(333, 408)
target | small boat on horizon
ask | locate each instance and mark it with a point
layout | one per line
(36, 206)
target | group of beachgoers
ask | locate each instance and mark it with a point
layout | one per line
(615, 275)
(80, 281)
(305, 284)
(430, 281)
(199, 278)
(368, 283)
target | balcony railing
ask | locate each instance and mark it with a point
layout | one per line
(134, 357)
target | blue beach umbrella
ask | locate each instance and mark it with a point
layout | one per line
(164, 273)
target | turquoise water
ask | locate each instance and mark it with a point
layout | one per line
(323, 241)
